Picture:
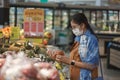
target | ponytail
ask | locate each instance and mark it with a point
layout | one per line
(91, 30)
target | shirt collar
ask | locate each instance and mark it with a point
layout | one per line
(87, 32)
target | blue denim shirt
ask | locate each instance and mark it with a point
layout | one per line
(88, 51)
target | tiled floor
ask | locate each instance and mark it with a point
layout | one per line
(109, 74)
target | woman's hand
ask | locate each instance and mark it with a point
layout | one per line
(50, 54)
(63, 59)
(59, 56)
(53, 54)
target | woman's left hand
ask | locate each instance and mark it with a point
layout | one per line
(63, 59)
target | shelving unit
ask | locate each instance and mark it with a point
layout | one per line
(64, 19)
(12, 16)
(20, 17)
(48, 18)
(58, 15)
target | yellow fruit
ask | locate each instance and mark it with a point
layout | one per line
(48, 35)
(62, 77)
(58, 66)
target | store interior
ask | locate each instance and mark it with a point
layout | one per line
(47, 23)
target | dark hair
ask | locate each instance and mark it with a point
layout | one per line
(79, 18)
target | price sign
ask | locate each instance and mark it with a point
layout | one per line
(33, 22)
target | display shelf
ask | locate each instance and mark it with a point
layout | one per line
(48, 19)
(64, 19)
(20, 12)
(12, 16)
(57, 19)
(102, 18)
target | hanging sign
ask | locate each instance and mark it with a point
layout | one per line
(33, 22)
(43, 1)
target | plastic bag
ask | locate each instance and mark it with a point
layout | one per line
(20, 67)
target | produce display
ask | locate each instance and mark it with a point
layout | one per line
(26, 60)
(47, 36)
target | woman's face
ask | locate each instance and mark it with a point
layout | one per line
(79, 26)
(77, 29)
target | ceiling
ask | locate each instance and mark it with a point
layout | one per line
(115, 3)
(82, 2)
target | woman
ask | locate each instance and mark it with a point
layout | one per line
(84, 56)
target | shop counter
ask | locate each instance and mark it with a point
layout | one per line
(113, 52)
(104, 39)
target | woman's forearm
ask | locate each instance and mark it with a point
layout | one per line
(84, 65)
(67, 60)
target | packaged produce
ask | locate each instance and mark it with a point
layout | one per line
(19, 67)
(51, 50)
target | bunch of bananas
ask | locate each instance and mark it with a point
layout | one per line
(59, 68)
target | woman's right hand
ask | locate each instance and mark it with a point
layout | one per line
(50, 54)
(53, 54)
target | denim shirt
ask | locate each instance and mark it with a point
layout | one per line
(88, 51)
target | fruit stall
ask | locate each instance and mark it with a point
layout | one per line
(24, 58)
(23, 51)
